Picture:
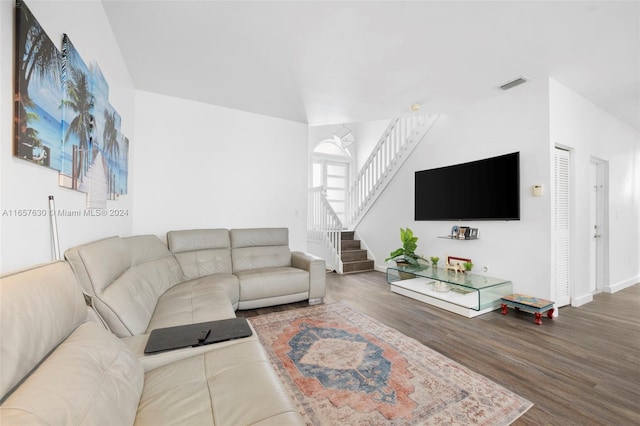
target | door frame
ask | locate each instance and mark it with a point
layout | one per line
(562, 299)
(326, 160)
(599, 195)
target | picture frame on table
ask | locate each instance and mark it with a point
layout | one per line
(452, 260)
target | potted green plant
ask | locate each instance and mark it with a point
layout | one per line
(434, 261)
(467, 266)
(406, 254)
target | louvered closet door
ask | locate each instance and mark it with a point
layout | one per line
(561, 227)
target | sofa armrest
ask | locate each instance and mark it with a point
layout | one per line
(317, 272)
(160, 359)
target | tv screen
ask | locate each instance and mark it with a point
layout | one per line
(487, 189)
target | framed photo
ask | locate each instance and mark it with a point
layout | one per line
(452, 260)
(463, 232)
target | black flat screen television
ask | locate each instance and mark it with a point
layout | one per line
(487, 189)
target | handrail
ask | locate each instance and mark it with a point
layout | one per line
(324, 226)
(392, 150)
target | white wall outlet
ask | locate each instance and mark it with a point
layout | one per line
(538, 190)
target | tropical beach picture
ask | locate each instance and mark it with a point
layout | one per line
(38, 91)
(77, 117)
(63, 117)
(114, 151)
(93, 142)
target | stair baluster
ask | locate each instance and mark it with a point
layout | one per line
(393, 148)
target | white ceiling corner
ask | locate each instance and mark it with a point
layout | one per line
(324, 62)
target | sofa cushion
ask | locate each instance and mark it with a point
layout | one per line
(33, 326)
(201, 252)
(228, 385)
(125, 276)
(229, 283)
(69, 370)
(134, 295)
(99, 263)
(195, 301)
(259, 248)
(91, 378)
(273, 282)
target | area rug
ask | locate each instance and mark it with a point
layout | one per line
(346, 368)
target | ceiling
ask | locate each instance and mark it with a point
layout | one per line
(325, 62)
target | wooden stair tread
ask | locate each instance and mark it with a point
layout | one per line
(357, 266)
(354, 257)
(347, 235)
(350, 244)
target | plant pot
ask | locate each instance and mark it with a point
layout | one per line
(404, 275)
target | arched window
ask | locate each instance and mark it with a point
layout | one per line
(331, 161)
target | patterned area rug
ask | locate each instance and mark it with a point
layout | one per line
(343, 367)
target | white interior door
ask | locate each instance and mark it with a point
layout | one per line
(561, 227)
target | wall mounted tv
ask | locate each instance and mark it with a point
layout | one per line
(487, 189)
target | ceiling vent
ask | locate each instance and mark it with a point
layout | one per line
(513, 83)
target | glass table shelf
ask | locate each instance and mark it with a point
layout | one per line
(466, 294)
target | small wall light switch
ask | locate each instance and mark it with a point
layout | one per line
(538, 190)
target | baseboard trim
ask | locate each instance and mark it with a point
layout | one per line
(581, 300)
(621, 285)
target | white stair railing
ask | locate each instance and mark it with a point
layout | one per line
(393, 149)
(324, 227)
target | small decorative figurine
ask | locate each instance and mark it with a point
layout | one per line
(455, 267)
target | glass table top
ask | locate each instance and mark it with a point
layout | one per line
(466, 279)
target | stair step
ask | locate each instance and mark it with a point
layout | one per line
(353, 255)
(357, 266)
(347, 235)
(350, 245)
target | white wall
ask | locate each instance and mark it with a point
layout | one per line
(366, 135)
(591, 132)
(369, 133)
(25, 241)
(530, 119)
(204, 166)
(516, 120)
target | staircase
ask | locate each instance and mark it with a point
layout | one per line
(326, 231)
(394, 148)
(353, 256)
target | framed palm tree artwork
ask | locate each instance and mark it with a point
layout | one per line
(63, 117)
(37, 93)
(78, 120)
(91, 132)
(115, 151)
(123, 185)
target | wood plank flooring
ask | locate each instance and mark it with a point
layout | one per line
(581, 368)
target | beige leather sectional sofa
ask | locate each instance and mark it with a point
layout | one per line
(69, 359)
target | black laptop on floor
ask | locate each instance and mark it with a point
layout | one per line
(204, 333)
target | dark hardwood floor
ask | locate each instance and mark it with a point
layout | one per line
(581, 368)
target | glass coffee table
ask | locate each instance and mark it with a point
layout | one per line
(465, 294)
